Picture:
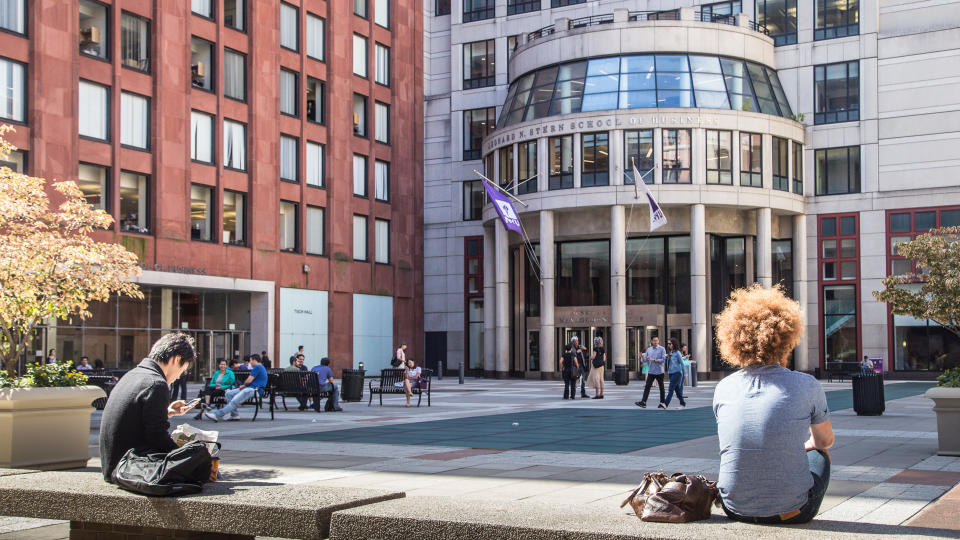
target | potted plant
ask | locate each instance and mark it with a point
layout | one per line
(45, 417)
(946, 403)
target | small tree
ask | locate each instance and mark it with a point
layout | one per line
(50, 266)
(937, 256)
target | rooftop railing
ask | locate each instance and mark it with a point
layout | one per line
(635, 16)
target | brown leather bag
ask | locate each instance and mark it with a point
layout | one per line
(676, 499)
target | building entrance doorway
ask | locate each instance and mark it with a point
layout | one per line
(585, 335)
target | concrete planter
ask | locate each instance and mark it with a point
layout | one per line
(946, 403)
(46, 428)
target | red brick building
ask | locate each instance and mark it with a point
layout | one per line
(264, 160)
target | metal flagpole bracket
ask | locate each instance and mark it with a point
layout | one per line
(493, 184)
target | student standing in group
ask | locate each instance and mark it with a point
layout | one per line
(571, 372)
(654, 358)
(598, 360)
(675, 373)
(581, 361)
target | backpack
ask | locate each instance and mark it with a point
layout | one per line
(182, 471)
(395, 362)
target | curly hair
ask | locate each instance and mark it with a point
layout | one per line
(758, 327)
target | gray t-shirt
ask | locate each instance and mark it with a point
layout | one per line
(763, 418)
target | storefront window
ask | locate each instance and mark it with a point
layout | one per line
(532, 284)
(728, 269)
(840, 324)
(923, 345)
(678, 275)
(583, 273)
(783, 265)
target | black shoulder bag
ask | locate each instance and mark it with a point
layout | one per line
(180, 472)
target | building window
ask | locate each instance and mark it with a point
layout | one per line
(719, 164)
(516, 7)
(381, 13)
(564, 3)
(134, 121)
(905, 226)
(728, 268)
(583, 273)
(359, 55)
(442, 7)
(721, 11)
(512, 43)
(314, 164)
(781, 179)
(201, 137)
(638, 146)
(836, 18)
(16, 161)
(315, 94)
(359, 238)
(779, 18)
(201, 64)
(473, 198)
(204, 8)
(234, 75)
(234, 12)
(646, 270)
(12, 86)
(382, 239)
(382, 60)
(288, 227)
(595, 159)
(288, 158)
(676, 156)
(473, 268)
(288, 92)
(782, 265)
(561, 162)
(751, 159)
(837, 92)
(797, 168)
(838, 248)
(134, 203)
(92, 181)
(315, 37)
(94, 29)
(527, 167)
(477, 124)
(359, 175)
(488, 169)
(234, 218)
(315, 231)
(234, 145)
(94, 119)
(381, 173)
(840, 343)
(13, 15)
(359, 115)
(505, 176)
(360, 8)
(479, 64)
(838, 170)
(381, 118)
(478, 10)
(289, 26)
(134, 41)
(201, 213)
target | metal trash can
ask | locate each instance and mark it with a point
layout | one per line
(621, 375)
(816, 373)
(351, 385)
(868, 397)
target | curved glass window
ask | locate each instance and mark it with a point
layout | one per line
(644, 81)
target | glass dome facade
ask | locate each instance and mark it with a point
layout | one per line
(644, 81)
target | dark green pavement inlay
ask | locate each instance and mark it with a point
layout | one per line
(608, 431)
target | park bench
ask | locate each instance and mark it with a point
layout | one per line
(839, 370)
(387, 384)
(296, 384)
(107, 382)
(230, 509)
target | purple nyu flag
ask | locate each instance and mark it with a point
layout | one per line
(507, 214)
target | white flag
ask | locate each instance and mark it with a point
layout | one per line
(657, 219)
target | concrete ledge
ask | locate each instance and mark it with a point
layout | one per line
(253, 508)
(429, 518)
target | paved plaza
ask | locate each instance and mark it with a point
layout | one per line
(502, 441)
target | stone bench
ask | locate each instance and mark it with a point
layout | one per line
(233, 510)
(432, 518)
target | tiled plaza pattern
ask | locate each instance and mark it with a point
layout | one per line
(584, 452)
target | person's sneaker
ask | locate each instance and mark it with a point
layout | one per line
(683, 407)
(641, 404)
(662, 406)
(601, 396)
(584, 395)
(198, 416)
(211, 416)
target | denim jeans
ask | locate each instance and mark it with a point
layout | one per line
(820, 469)
(235, 398)
(569, 385)
(676, 387)
(334, 399)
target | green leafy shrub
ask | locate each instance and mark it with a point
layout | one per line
(950, 378)
(45, 376)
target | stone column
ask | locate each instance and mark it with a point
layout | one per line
(489, 304)
(502, 275)
(548, 350)
(699, 306)
(763, 251)
(800, 287)
(618, 285)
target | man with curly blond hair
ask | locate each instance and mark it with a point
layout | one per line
(773, 423)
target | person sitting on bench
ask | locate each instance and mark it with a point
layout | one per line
(256, 382)
(411, 379)
(325, 374)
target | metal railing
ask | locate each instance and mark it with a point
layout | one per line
(591, 21)
(672, 15)
(707, 17)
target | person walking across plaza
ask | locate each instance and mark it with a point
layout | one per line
(654, 358)
(578, 351)
(571, 372)
(773, 423)
(675, 374)
(255, 383)
(598, 361)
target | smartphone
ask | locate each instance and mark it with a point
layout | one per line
(192, 404)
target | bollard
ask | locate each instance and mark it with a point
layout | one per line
(693, 376)
(461, 373)
(440, 370)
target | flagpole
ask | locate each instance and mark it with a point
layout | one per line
(500, 189)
